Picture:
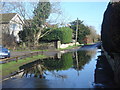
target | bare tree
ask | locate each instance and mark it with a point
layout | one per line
(93, 35)
(25, 9)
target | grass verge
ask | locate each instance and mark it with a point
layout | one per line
(11, 67)
(27, 50)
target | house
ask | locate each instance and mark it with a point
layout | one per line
(12, 23)
(87, 40)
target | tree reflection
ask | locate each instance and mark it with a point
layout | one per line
(38, 68)
(64, 63)
(82, 57)
(76, 60)
(35, 71)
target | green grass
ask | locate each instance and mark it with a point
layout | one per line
(13, 66)
(88, 44)
(26, 50)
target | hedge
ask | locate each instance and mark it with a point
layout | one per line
(64, 34)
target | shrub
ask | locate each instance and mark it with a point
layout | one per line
(52, 36)
(64, 34)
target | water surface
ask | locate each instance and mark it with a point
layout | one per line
(70, 70)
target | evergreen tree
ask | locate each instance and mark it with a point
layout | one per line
(36, 26)
(83, 30)
(41, 13)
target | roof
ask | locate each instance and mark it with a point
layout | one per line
(6, 17)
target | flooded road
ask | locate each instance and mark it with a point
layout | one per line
(80, 69)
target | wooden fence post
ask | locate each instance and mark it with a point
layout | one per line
(25, 56)
(16, 59)
(31, 55)
(37, 53)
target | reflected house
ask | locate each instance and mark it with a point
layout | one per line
(87, 40)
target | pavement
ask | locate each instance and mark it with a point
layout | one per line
(19, 53)
(47, 53)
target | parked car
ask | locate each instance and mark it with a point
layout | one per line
(4, 52)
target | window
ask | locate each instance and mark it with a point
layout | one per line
(14, 26)
(20, 26)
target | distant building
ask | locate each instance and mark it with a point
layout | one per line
(12, 23)
(87, 40)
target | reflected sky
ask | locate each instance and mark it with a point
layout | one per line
(72, 70)
(81, 69)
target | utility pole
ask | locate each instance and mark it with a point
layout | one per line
(76, 33)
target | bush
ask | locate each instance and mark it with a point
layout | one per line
(64, 34)
(52, 36)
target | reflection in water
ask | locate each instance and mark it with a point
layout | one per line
(76, 60)
(82, 58)
(71, 70)
(64, 63)
(104, 77)
(38, 68)
(35, 71)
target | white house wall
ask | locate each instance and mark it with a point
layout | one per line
(16, 25)
(0, 31)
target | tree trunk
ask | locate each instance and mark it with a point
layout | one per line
(37, 36)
